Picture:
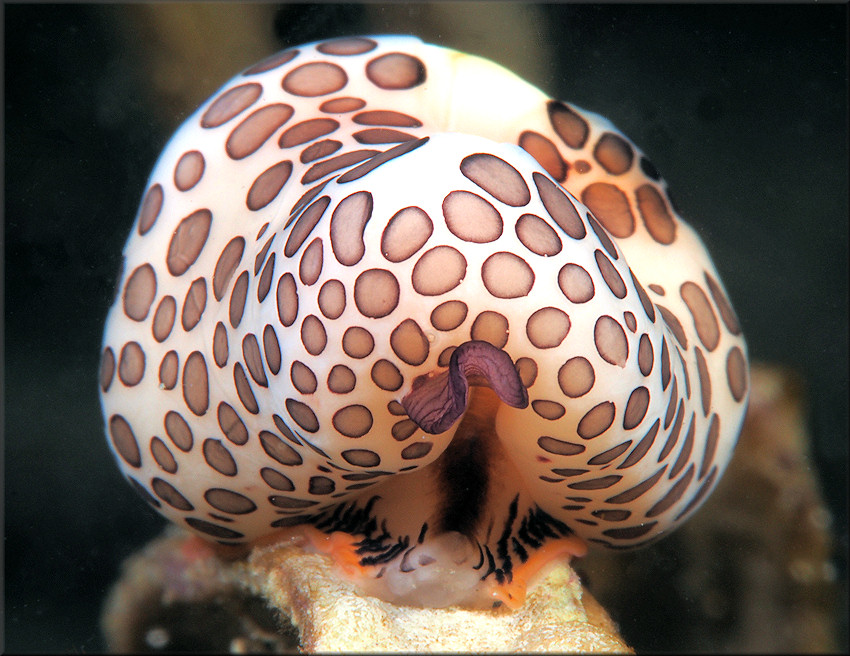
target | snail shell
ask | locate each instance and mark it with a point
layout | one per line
(383, 287)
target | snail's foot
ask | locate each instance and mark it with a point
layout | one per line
(512, 593)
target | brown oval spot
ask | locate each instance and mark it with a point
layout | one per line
(409, 343)
(722, 303)
(674, 325)
(406, 232)
(189, 170)
(736, 373)
(614, 153)
(559, 207)
(332, 299)
(348, 222)
(537, 235)
(310, 266)
(547, 327)
(187, 241)
(226, 266)
(107, 368)
(305, 131)
(139, 292)
(506, 275)
(527, 369)
(341, 380)
(438, 271)
(611, 454)
(490, 327)
(178, 431)
(163, 456)
(163, 318)
(576, 283)
(256, 129)
(319, 150)
(596, 421)
(237, 299)
(498, 178)
(382, 136)
(361, 457)
(275, 480)
(396, 70)
(243, 389)
(303, 377)
(313, 335)
(417, 450)
(600, 483)
(287, 299)
(648, 307)
(124, 441)
(231, 425)
(150, 208)
(170, 495)
(710, 445)
(168, 370)
(559, 447)
(328, 166)
(253, 359)
(545, 152)
(131, 364)
(704, 381)
(471, 218)
(231, 103)
(304, 226)
(646, 356)
(568, 124)
(357, 342)
(376, 293)
(386, 376)
(449, 315)
(218, 457)
(576, 377)
(610, 205)
(271, 348)
(353, 420)
(655, 214)
(196, 383)
(342, 105)
(302, 415)
(636, 408)
(611, 342)
(272, 61)
(609, 274)
(279, 450)
(221, 349)
(550, 410)
(387, 117)
(268, 185)
(705, 320)
(315, 79)
(229, 501)
(194, 304)
(353, 45)
(403, 429)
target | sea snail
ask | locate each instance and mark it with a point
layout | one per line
(385, 289)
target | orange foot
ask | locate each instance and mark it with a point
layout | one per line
(340, 546)
(512, 593)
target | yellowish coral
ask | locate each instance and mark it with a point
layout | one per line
(332, 614)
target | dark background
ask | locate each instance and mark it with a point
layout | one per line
(742, 108)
